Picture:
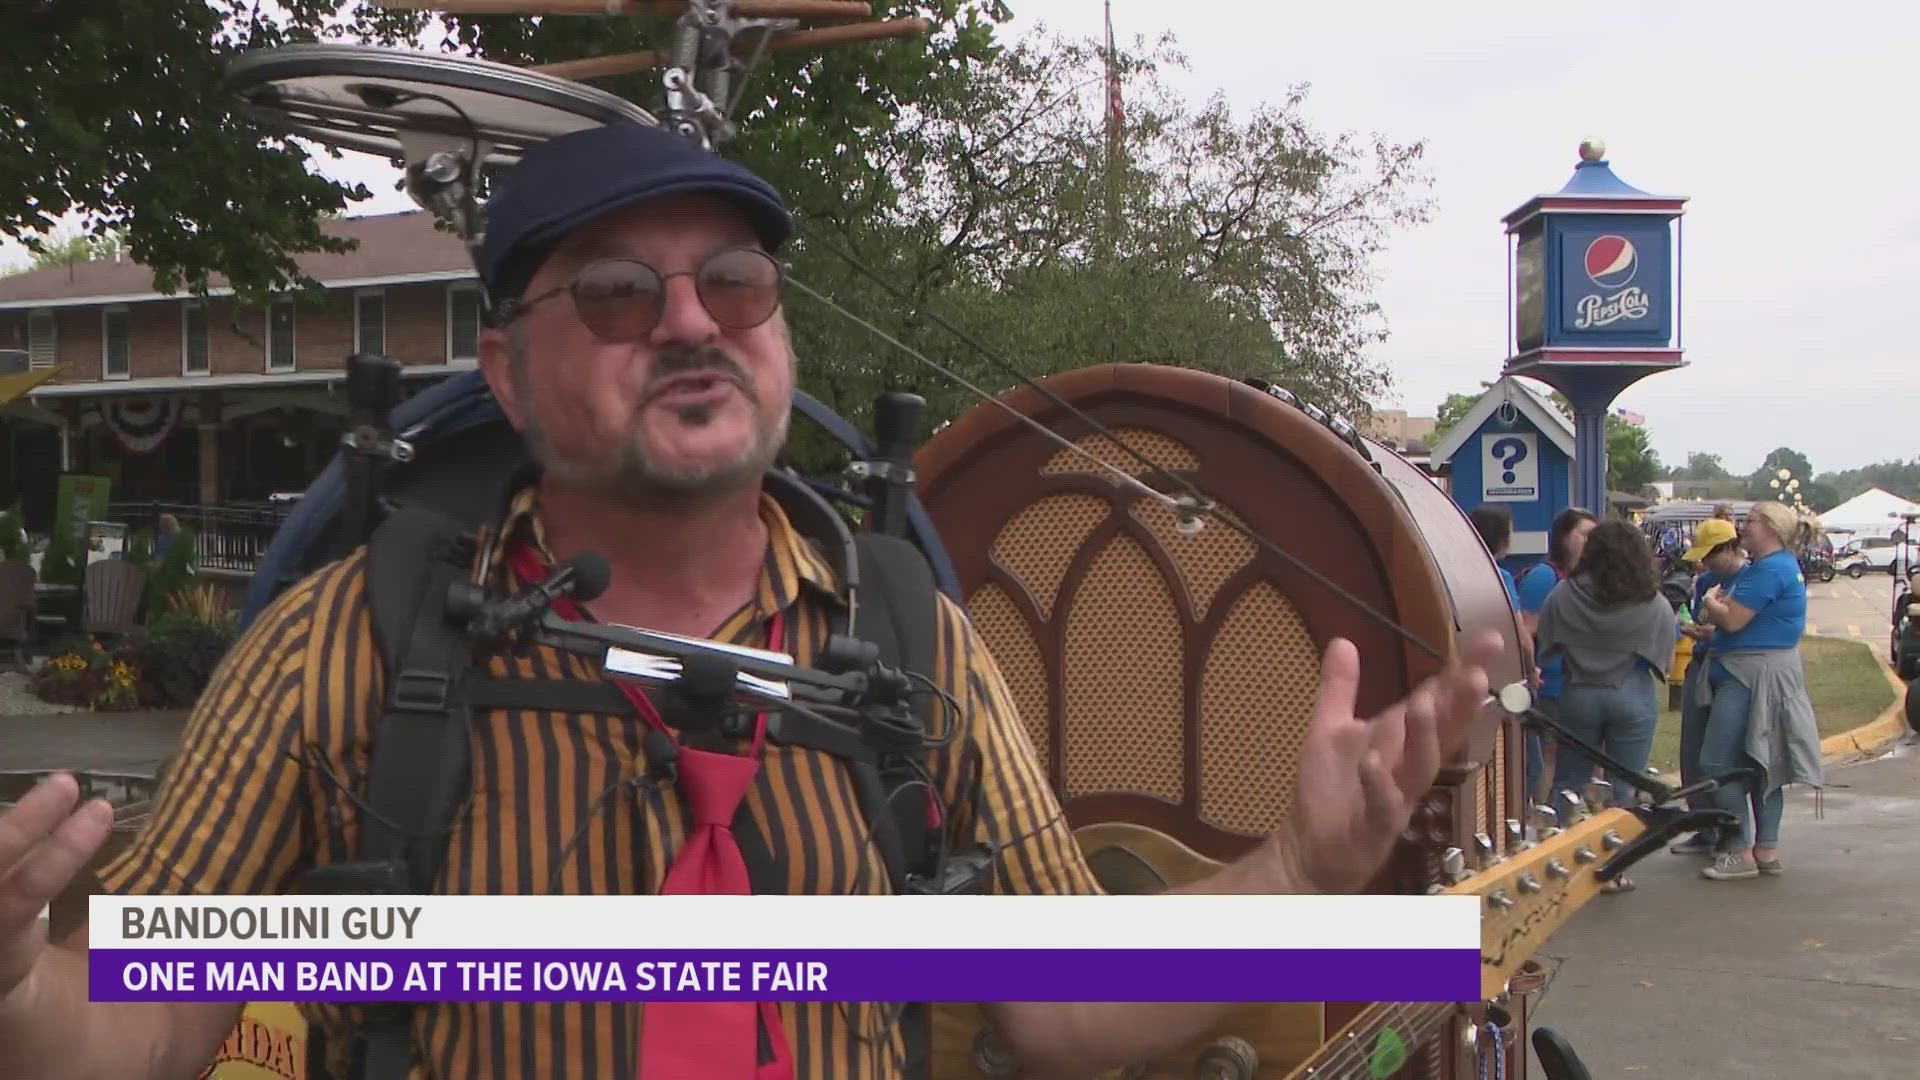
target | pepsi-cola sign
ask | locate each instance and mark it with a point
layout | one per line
(1615, 281)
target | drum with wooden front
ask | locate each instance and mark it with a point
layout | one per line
(1166, 673)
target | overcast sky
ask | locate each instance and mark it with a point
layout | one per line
(1786, 126)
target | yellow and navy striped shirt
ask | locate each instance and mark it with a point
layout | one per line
(279, 745)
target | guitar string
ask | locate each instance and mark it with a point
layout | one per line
(1355, 1050)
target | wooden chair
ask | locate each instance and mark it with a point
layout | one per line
(113, 591)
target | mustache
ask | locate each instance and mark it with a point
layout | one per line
(678, 360)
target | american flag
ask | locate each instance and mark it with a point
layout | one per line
(1631, 417)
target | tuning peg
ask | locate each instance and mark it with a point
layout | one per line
(1599, 795)
(1527, 883)
(1611, 840)
(1453, 864)
(1483, 855)
(1546, 821)
(1583, 855)
(1498, 899)
(1556, 869)
(1571, 808)
(1516, 836)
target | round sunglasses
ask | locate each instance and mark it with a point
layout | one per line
(623, 299)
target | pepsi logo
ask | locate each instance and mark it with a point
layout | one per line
(1611, 261)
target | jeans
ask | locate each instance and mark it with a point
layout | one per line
(1618, 720)
(1723, 748)
(1693, 733)
(1536, 747)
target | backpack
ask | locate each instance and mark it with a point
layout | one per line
(416, 477)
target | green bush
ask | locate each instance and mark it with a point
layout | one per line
(183, 645)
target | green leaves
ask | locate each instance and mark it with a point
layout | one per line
(972, 174)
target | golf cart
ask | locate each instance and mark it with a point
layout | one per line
(1905, 640)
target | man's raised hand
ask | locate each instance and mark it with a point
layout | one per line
(1359, 778)
(44, 842)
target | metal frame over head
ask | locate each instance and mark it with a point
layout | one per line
(444, 119)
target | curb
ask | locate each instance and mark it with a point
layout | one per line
(1873, 737)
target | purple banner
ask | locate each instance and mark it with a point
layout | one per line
(959, 975)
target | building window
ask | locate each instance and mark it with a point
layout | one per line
(193, 338)
(113, 343)
(370, 321)
(280, 336)
(463, 322)
(43, 339)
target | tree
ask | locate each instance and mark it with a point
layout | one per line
(1453, 410)
(1632, 463)
(1760, 482)
(1700, 466)
(1239, 246)
(963, 174)
(117, 115)
(1900, 478)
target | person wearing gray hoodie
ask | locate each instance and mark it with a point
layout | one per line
(1615, 634)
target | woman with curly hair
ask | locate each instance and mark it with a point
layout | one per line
(1614, 632)
(1755, 693)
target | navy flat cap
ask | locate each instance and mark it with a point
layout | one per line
(562, 184)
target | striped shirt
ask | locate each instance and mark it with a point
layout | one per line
(260, 793)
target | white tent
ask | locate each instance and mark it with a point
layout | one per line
(1869, 513)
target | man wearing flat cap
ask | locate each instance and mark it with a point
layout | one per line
(638, 342)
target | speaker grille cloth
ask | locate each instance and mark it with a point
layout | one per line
(1255, 703)
(1036, 546)
(1010, 641)
(1160, 449)
(1124, 679)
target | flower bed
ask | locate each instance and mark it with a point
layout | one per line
(164, 666)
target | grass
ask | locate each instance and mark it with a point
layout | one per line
(1845, 681)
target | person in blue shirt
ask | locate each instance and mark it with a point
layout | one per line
(1565, 542)
(1758, 692)
(1495, 526)
(1716, 551)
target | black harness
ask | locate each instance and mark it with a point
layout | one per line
(421, 768)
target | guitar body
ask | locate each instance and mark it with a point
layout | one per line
(1165, 675)
(1131, 860)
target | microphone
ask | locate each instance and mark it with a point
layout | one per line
(582, 577)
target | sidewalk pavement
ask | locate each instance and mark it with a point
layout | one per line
(124, 742)
(1813, 973)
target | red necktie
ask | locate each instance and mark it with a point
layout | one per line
(696, 1040)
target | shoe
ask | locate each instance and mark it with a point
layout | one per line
(1769, 867)
(1698, 844)
(1729, 866)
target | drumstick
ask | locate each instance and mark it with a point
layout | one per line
(622, 63)
(746, 9)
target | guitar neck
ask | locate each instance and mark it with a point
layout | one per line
(1378, 1042)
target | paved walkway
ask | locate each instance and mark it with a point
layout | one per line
(1812, 974)
(124, 742)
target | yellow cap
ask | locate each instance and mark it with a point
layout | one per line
(1711, 534)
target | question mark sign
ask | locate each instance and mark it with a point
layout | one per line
(1509, 452)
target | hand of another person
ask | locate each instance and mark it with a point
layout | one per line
(1360, 778)
(44, 842)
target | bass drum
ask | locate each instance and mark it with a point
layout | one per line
(1166, 676)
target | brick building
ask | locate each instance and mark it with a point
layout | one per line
(215, 403)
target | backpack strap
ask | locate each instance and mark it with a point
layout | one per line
(422, 752)
(896, 610)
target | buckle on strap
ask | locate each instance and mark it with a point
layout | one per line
(421, 691)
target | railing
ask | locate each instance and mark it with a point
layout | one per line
(229, 537)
